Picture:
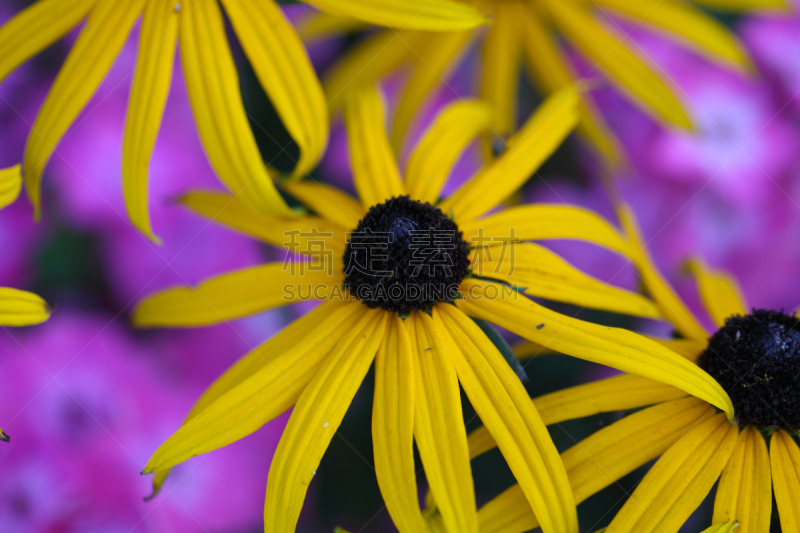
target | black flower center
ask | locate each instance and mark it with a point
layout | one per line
(404, 256)
(756, 359)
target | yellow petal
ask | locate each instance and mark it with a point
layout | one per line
(285, 72)
(264, 384)
(151, 82)
(315, 419)
(302, 235)
(687, 23)
(746, 5)
(213, 86)
(10, 184)
(526, 349)
(602, 459)
(329, 202)
(679, 481)
(393, 428)
(367, 62)
(720, 292)
(318, 26)
(618, 393)
(451, 132)
(745, 488)
(502, 54)
(21, 308)
(237, 294)
(540, 222)
(625, 68)
(375, 170)
(551, 71)
(526, 151)
(688, 348)
(544, 274)
(439, 427)
(502, 403)
(37, 27)
(785, 460)
(325, 324)
(725, 527)
(433, 65)
(617, 348)
(87, 63)
(434, 15)
(672, 307)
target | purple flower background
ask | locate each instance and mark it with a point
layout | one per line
(87, 399)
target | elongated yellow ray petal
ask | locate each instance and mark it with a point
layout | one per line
(551, 71)
(285, 72)
(746, 5)
(601, 459)
(21, 308)
(435, 15)
(691, 25)
(37, 27)
(213, 85)
(785, 461)
(544, 274)
(680, 480)
(542, 222)
(526, 151)
(329, 202)
(299, 235)
(242, 403)
(10, 184)
(725, 527)
(393, 428)
(439, 427)
(451, 132)
(720, 292)
(502, 55)
(315, 419)
(237, 294)
(87, 63)
(672, 307)
(318, 26)
(374, 167)
(617, 348)
(151, 82)
(688, 348)
(618, 393)
(328, 315)
(434, 62)
(745, 488)
(625, 68)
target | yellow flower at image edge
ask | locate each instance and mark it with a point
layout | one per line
(424, 345)
(754, 356)
(17, 308)
(269, 41)
(524, 31)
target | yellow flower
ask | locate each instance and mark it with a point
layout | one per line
(269, 41)
(17, 308)
(425, 345)
(529, 31)
(755, 357)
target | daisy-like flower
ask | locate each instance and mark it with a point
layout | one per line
(197, 27)
(754, 355)
(402, 276)
(17, 308)
(529, 31)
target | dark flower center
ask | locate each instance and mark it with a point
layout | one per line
(404, 256)
(756, 359)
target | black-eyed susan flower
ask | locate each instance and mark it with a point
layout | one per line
(17, 308)
(402, 274)
(530, 32)
(754, 356)
(197, 27)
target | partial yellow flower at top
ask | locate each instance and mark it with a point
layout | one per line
(754, 355)
(271, 44)
(529, 31)
(402, 276)
(17, 308)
